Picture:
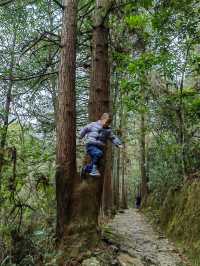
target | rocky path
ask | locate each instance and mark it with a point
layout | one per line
(140, 244)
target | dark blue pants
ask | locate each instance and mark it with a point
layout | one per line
(95, 153)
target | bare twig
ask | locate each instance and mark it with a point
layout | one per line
(59, 4)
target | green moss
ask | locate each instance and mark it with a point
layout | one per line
(180, 218)
(111, 236)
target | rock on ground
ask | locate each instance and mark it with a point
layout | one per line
(91, 262)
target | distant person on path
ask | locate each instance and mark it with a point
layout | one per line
(96, 135)
(138, 201)
(138, 197)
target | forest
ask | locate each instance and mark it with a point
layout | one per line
(100, 132)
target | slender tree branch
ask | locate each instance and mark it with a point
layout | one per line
(13, 120)
(6, 2)
(30, 77)
(59, 4)
(42, 37)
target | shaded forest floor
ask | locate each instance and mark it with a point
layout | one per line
(137, 243)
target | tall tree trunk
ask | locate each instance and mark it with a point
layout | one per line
(78, 209)
(144, 185)
(7, 107)
(66, 118)
(116, 153)
(107, 198)
(117, 181)
(124, 203)
(52, 80)
(119, 160)
(142, 138)
(181, 132)
(99, 101)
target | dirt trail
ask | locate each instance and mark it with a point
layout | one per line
(141, 245)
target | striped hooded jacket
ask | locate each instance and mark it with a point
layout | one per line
(96, 134)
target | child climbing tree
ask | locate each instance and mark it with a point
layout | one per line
(99, 101)
(75, 209)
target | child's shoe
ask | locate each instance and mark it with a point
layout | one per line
(95, 171)
(85, 170)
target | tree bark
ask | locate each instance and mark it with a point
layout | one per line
(124, 203)
(181, 132)
(79, 208)
(52, 80)
(107, 199)
(116, 153)
(66, 118)
(107, 186)
(117, 181)
(7, 107)
(144, 185)
(99, 87)
(99, 101)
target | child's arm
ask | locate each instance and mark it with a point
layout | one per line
(115, 140)
(84, 131)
